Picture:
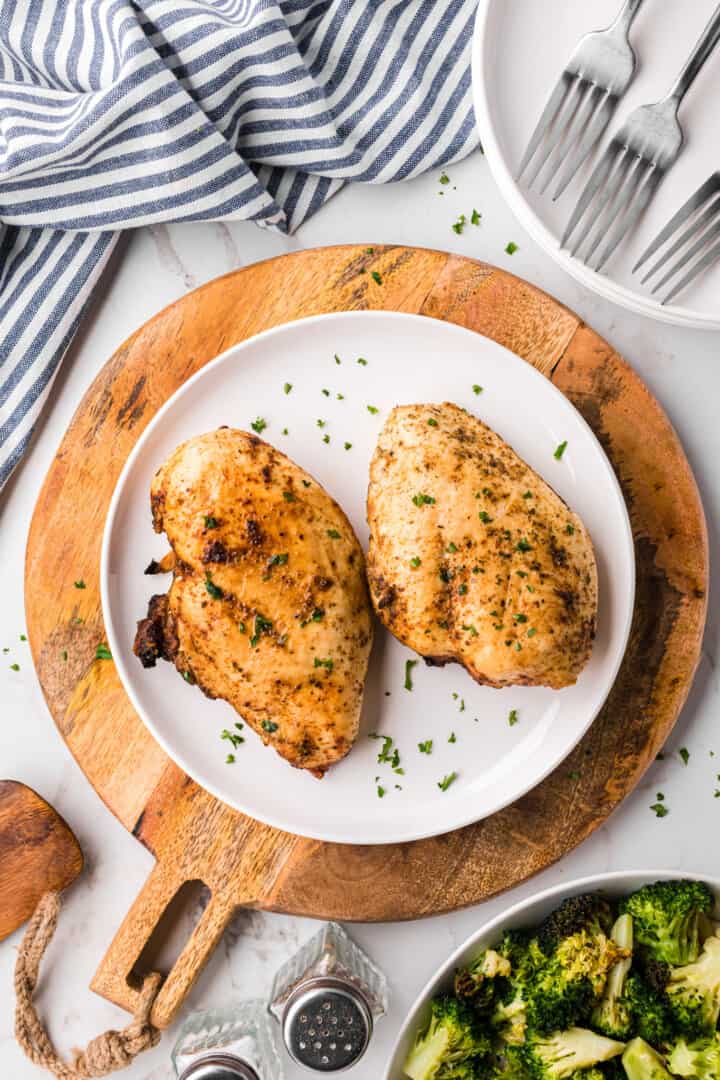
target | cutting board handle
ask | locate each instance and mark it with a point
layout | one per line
(120, 974)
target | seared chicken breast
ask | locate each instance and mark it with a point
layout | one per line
(473, 557)
(268, 606)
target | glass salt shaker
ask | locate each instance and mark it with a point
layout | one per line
(326, 999)
(236, 1042)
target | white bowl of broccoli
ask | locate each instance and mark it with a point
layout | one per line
(610, 977)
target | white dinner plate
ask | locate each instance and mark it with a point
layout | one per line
(520, 49)
(527, 913)
(409, 359)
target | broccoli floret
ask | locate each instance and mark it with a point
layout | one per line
(656, 973)
(479, 982)
(666, 917)
(650, 1014)
(588, 912)
(694, 992)
(571, 981)
(564, 1053)
(509, 1017)
(452, 1038)
(641, 1062)
(611, 1015)
(700, 1060)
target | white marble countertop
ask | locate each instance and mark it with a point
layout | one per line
(152, 268)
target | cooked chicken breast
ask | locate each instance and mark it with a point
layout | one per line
(268, 607)
(473, 557)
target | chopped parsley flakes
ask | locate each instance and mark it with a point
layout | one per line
(287, 387)
(423, 500)
(475, 217)
(210, 521)
(101, 653)
(328, 663)
(477, 389)
(409, 665)
(446, 781)
(513, 717)
(425, 747)
(269, 725)
(259, 425)
(684, 754)
(560, 450)
(373, 409)
(511, 248)
(333, 534)
(214, 590)
(288, 496)
(415, 562)
(376, 277)
(80, 584)
(660, 809)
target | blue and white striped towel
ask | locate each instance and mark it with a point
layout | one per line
(120, 113)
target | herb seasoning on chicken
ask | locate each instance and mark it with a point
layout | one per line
(473, 557)
(268, 606)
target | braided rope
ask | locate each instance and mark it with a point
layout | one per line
(105, 1054)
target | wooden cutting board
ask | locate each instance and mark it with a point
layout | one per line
(38, 853)
(195, 837)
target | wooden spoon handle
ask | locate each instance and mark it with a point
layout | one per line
(120, 973)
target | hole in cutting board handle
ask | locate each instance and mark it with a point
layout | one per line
(171, 932)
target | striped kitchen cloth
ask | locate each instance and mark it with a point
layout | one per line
(120, 113)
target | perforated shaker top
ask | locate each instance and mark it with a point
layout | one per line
(327, 1024)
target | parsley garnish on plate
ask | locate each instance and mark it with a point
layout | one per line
(372, 409)
(328, 663)
(362, 361)
(262, 626)
(513, 717)
(459, 225)
(477, 389)
(446, 781)
(475, 217)
(348, 445)
(287, 387)
(230, 759)
(333, 534)
(376, 277)
(423, 500)
(660, 809)
(380, 791)
(444, 178)
(684, 754)
(409, 665)
(269, 725)
(453, 737)
(80, 584)
(337, 359)
(425, 747)
(232, 738)
(102, 652)
(259, 425)
(14, 667)
(560, 450)
(511, 248)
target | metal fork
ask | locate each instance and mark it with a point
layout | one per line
(633, 165)
(703, 234)
(582, 104)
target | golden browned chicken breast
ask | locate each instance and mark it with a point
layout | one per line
(473, 557)
(268, 607)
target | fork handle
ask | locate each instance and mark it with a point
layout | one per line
(708, 40)
(627, 15)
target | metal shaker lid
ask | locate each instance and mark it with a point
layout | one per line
(219, 1067)
(327, 1024)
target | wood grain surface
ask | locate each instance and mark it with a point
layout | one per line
(192, 835)
(38, 853)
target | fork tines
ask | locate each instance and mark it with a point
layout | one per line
(693, 235)
(614, 199)
(572, 122)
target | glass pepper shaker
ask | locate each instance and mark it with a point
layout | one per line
(326, 999)
(236, 1042)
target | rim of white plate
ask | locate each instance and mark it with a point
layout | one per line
(327, 835)
(566, 888)
(677, 315)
